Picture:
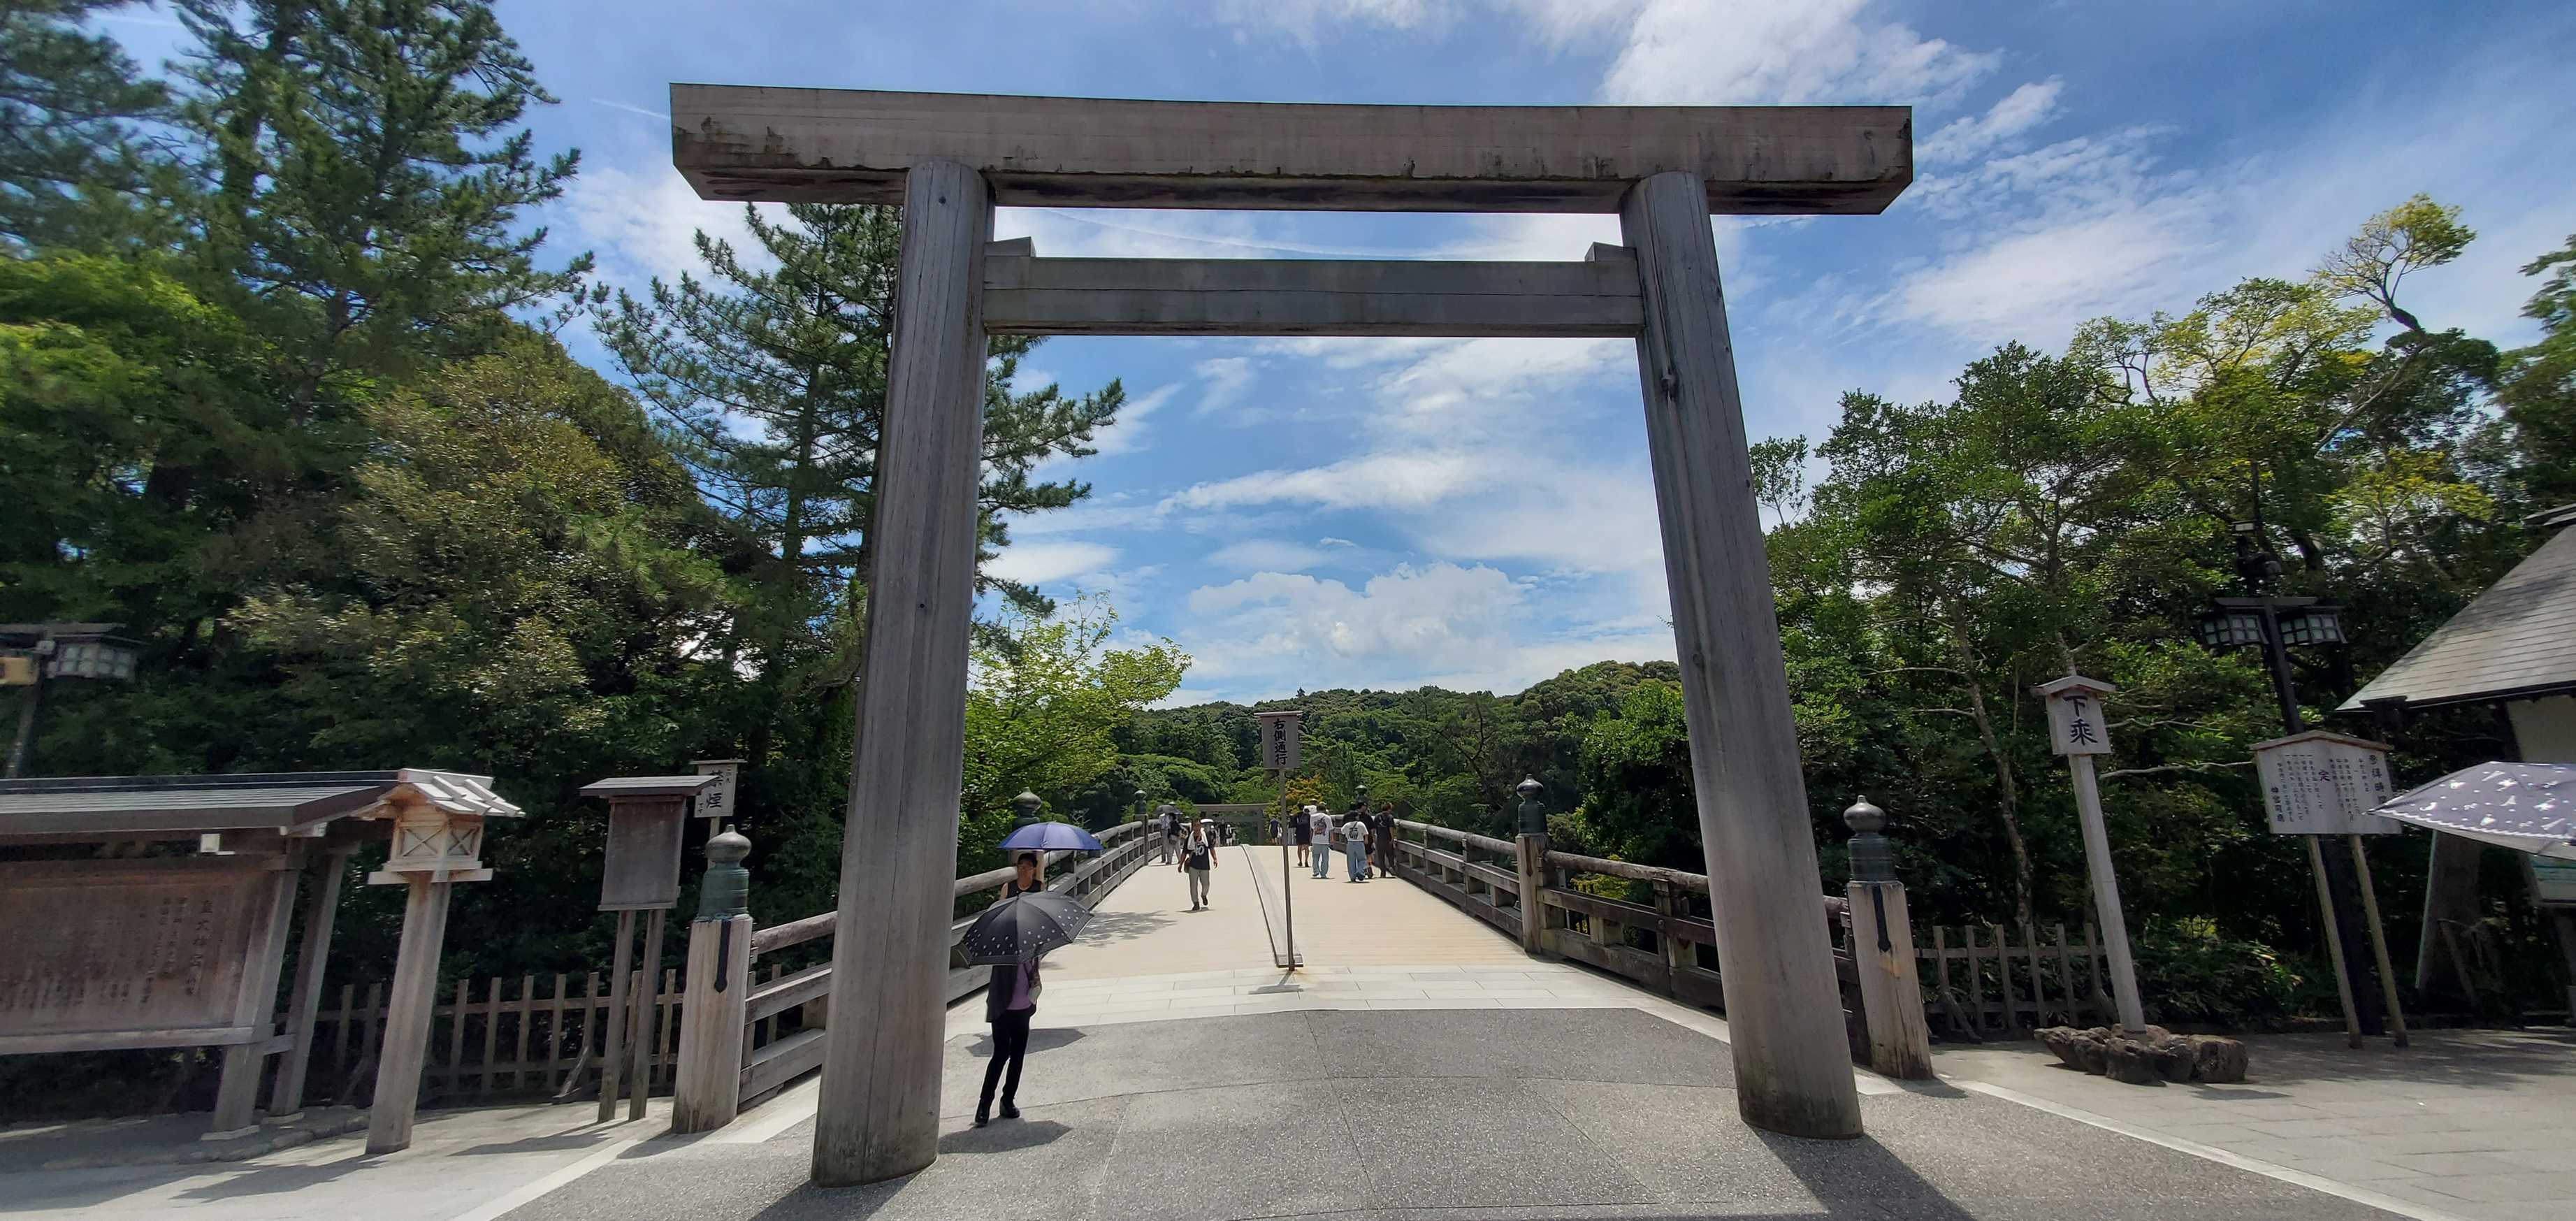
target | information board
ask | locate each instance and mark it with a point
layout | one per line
(2320, 783)
(147, 950)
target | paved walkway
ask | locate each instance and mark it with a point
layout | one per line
(2477, 1124)
(1421, 1066)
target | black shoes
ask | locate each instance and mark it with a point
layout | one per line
(981, 1118)
(1009, 1111)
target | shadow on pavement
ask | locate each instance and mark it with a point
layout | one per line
(1860, 1178)
(1125, 926)
(1040, 1039)
(270, 1180)
(1004, 1136)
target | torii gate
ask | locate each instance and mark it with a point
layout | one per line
(948, 159)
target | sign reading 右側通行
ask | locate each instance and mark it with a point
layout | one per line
(2321, 783)
(1279, 740)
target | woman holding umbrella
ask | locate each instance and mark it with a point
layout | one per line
(1011, 936)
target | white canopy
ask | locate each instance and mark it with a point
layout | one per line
(2530, 807)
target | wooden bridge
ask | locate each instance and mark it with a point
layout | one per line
(1423, 1059)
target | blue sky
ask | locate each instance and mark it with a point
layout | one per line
(1477, 513)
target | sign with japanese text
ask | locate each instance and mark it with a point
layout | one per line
(716, 800)
(2076, 725)
(2321, 783)
(1279, 740)
(2553, 881)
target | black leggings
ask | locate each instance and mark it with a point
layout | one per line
(1010, 1044)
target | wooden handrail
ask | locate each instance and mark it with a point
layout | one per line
(795, 932)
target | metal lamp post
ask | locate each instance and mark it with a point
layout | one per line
(32, 655)
(2274, 624)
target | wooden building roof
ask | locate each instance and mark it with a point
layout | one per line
(192, 805)
(2515, 641)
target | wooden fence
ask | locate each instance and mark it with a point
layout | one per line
(492, 1039)
(495, 1039)
(1973, 983)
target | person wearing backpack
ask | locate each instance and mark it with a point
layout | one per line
(1355, 841)
(1198, 857)
(1321, 824)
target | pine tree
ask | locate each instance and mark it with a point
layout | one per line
(364, 183)
(70, 159)
(775, 383)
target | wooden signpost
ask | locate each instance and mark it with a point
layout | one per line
(1278, 750)
(949, 158)
(2320, 784)
(2078, 730)
(640, 872)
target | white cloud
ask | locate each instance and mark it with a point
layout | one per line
(1426, 620)
(1266, 555)
(1036, 563)
(1763, 52)
(643, 224)
(1227, 377)
(1971, 135)
(1374, 481)
(1128, 432)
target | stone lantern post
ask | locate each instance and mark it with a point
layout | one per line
(1882, 948)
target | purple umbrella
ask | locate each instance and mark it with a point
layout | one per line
(1050, 837)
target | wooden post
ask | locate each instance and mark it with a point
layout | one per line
(1882, 943)
(2378, 941)
(2334, 942)
(706, 1089)
(878, 1115)
(2450, 896)
(237, 1091)
(2106, 894)
(1533, 878)
(405, 1046)
(286, 1097)
(1792, 1070)
(612, 1048)
(647, 1002)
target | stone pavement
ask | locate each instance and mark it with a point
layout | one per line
(2477, 1124)
(1423, 1067)
(1533, 1113)
(464, 1165)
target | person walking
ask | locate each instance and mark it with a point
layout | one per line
(1198, 857)
(1322, 824)
(1355, 841)
(1303, 825)
(1010, 1000)
(1382, 842)
(1167, 829)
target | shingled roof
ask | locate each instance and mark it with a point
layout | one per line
(2516, 641)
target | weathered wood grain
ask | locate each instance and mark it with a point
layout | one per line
(1791, 1067)
(1040, 296)
(405, 1048)
(853, 146)
(878, 1116)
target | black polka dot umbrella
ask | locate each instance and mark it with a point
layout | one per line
(1024, 926)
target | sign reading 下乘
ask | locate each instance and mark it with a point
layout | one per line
(1279, 740)
(2076, 725)
(2321, 783)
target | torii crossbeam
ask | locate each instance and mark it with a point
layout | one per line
(948, 159)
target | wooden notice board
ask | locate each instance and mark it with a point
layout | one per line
(130, 953)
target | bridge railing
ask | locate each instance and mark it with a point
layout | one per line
(784, 1017)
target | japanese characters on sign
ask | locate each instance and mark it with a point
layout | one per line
(2076, 725)
(1279, 740)
(2321, 783)
(716, 800)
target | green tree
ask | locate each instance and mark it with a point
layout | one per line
(366, 183)
(2539, 388)
(70, 102)
(1042, 714)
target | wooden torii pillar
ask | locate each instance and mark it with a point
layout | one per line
(949, 159)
